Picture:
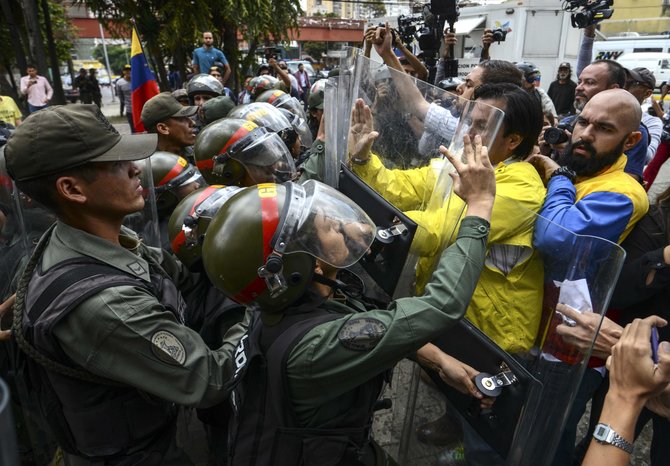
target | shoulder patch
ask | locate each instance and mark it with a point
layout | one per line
(168, 348)
(361, 333)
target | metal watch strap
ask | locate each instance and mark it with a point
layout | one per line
(605, 435)
(565, 171)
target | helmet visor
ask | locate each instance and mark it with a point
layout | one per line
(204, 210)
(326, 224)
(291, 104)
(264, 156)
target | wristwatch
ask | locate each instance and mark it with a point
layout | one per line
(605, 435)
(565, 171)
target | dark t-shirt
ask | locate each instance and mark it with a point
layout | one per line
(563, 96)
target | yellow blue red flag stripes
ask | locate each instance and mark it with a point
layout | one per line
(142, 81)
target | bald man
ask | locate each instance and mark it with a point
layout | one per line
(588, 193)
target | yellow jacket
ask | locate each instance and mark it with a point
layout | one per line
(506, 307)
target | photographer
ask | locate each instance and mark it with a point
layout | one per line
(410, 63)
(450, 39)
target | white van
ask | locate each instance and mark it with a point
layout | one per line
(657, 63)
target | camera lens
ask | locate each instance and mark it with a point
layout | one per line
(555, 136)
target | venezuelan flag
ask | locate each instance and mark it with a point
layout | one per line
(142, 81)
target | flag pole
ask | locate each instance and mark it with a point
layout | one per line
(139, 41)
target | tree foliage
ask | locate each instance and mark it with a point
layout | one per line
(171, 29)
(15, 46)
(116, 53)
(314, 49)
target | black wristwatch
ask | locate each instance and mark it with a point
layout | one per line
(565, 171)
(605, 435)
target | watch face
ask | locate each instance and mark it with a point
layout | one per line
(600, 432)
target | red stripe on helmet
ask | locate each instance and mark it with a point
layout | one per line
(243, 130)
(174, 171)
(267, 192)
(180, 239)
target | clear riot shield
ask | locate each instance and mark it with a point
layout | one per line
(22, 223)
(412, 119)
(145, 222)
(9, 453)
(509, 335)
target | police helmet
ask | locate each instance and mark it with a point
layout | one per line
(281, 99)
(260, 84)
(204, 84)
(232, 151)
(271, 236)
(171, 172)
(316, 94)
(190, 219)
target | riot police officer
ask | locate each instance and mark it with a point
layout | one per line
(320, 363)
(98, 315)
(236, 152)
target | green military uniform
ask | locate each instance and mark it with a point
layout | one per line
(323, 366)
(117, 333)
(332, 371)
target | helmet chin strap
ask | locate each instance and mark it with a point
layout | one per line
(350, 290)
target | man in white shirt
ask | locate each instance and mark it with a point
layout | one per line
(37, 89)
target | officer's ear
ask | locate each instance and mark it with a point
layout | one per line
(162, 128)
(71, 189)
(631, 140)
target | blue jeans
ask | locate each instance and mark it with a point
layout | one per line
(34, 108)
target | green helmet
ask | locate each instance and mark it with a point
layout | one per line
(316, 94)
(169, 173)
(270, 236)
(263, 114)
(216, 108)
(281, 99)
(233, 151)
(190, 219)
(204, 84)
(260, 84)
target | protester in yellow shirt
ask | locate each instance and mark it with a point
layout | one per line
(9, 111)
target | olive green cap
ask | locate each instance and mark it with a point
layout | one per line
(65, 136)
(163, 106)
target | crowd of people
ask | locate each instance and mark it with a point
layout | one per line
(232, 295)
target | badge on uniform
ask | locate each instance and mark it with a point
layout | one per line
(361, 333)
(168, 348)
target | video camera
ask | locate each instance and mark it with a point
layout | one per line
(426, 25)
(588, 12)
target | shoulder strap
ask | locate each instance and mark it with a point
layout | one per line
(53, 290)
(66, 280)
(277, 357)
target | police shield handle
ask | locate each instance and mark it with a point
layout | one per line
(361, 134)
(6, 318)
(453, 372)
(474, 181)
